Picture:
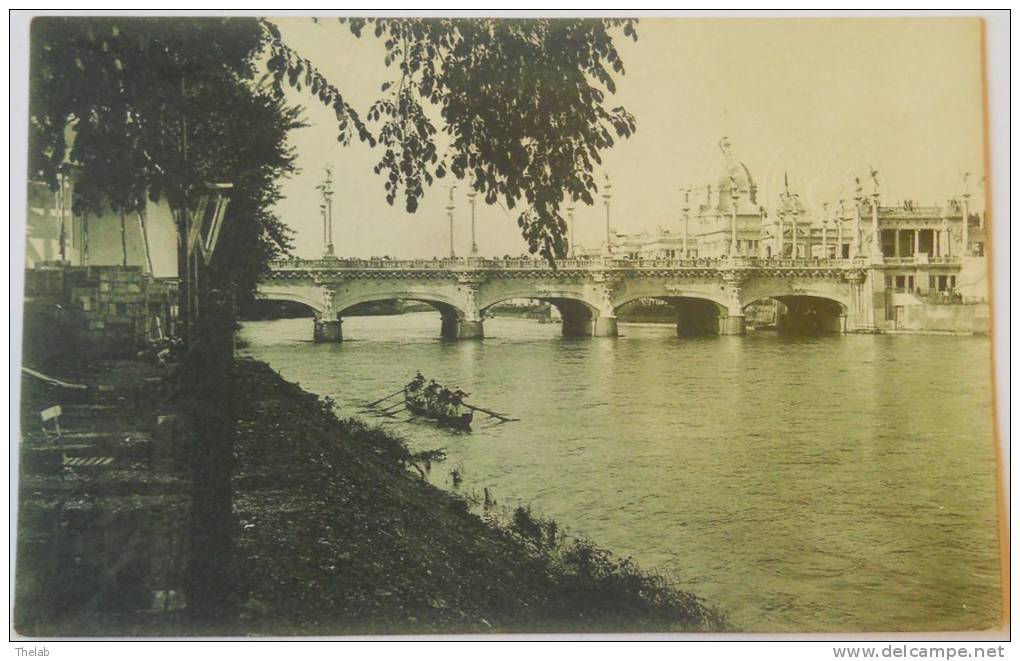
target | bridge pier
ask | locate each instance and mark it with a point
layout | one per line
(470, 330)
(731, 324)
(604, 327)
(455, 328)
(328, 330)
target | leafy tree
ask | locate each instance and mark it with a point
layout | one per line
(522, 104)
(154, 105)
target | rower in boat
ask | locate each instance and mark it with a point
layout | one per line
(416, 383)
(456, 403)
(437, 402)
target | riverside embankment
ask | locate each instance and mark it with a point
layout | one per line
(334, 532)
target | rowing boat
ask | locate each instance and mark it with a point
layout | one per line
(416, 403)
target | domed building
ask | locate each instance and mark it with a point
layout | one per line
(728, 221)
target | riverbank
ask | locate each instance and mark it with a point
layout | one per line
(335, 532)
(338, 533)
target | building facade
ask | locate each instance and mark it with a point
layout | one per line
(929, 251)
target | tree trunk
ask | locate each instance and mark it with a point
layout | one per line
(209, 386)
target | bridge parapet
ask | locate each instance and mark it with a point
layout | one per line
(531, 264)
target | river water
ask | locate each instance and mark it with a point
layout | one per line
(837, 483)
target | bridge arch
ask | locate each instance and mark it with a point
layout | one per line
(454, 324)
(697, 314)
(576, 312)
(802, 314)
(444, 304)
(291, 297)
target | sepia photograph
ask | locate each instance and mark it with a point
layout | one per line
(443, 324)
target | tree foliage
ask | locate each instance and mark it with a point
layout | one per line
(521, 104)
(152, 108)
(515, 107)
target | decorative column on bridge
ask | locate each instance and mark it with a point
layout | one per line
(825, 229)
(605, 324)
(327, 324)
(472, 194)
(781, 234)
(839, 228)
(468, 327)
(687, 220)
(855, 243)
(734, 197)
(326, 188)
(860, 316)
(607, 196)
(733, 322)
(570, 229)
(449, 211)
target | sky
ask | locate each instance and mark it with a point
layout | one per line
(817, 100)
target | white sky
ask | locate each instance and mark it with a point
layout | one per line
(821, 99)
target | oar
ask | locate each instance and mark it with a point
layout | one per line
(380, 401)
(501, 416)
(391, 406)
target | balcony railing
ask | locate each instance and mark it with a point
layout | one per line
(921, 259)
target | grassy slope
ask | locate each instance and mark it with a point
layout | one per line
(335, 535)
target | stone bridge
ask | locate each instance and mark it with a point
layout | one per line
(710, 295)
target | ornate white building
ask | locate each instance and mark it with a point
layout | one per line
(916, 243)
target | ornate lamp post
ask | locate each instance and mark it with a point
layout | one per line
(607, 196)
(825, 228)
(876, 245)
(472, 194)
(781, 234)
(734, 196)
(965, 236)
(570, 236)
(855, 243)
(326, 189)
(839, 228)
(946, 243)
(449, 211)
(687, 220)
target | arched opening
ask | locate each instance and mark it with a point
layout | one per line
(268, 309)
(796, 315)
(366, 317)
(272, 303)
(693, 317)
(574, 316)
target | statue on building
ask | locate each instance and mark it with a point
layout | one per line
(725, 146)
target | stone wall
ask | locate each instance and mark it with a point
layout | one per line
(953, 318)
(99, 311)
